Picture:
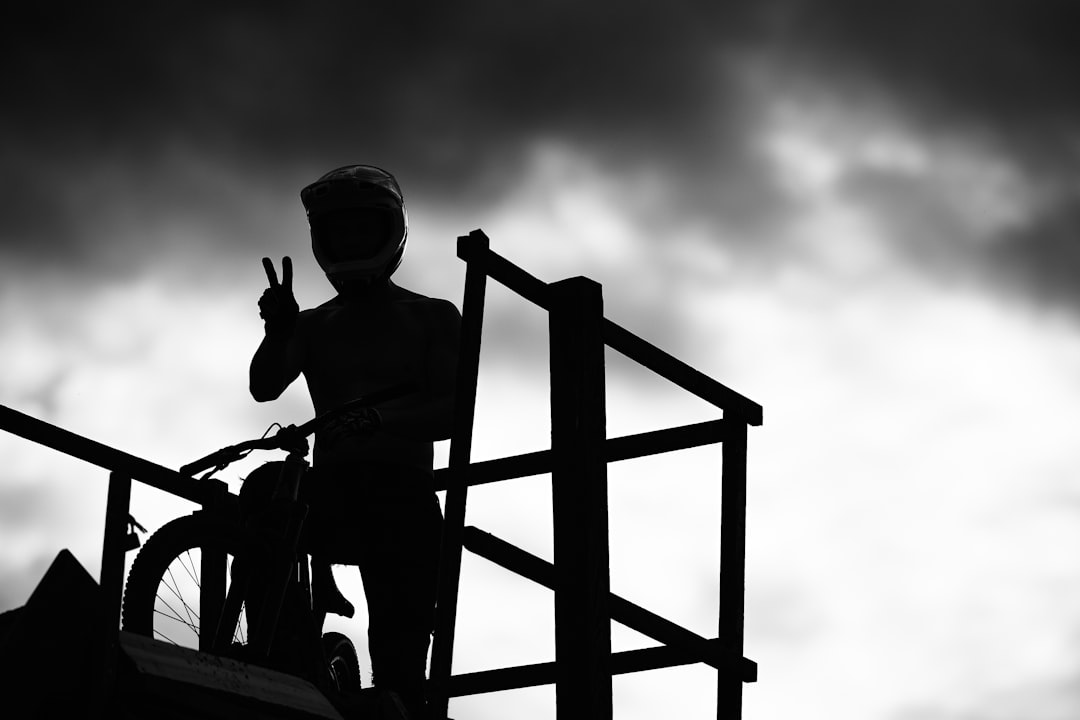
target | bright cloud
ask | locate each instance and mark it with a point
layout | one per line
(915, 451)
(821, 147)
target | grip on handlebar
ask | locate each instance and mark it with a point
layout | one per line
(288, 436)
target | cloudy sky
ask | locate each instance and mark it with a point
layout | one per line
(861, 215)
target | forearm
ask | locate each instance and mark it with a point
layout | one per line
(270, 372)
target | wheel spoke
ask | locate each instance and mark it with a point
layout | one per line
(190, 570)
(164, 586)
(165, 637)
(174, 588)
(238, 631)
(175, 616)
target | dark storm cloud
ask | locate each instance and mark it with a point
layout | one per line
(1005, 68)
(450, 96)
(1000, 73)
(103, 102)
(1044, 257)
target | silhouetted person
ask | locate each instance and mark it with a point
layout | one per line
(372, 484)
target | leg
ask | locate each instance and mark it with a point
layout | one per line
(400, 574)
(326, 597)
(322, 544)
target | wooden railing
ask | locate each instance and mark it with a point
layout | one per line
(123, 468)
(577, 462)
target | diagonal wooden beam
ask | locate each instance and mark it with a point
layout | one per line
(623, 611)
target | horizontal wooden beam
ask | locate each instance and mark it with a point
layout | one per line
(508, 468)
(617, 449)
(624, 612)
(522, 676)
(103, 456)
(682, 437)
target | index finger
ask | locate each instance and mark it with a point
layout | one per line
(271, 273)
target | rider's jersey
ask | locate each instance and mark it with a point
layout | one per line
(353, 349)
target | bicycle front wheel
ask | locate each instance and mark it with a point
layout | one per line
(164, 586)
(344, 664)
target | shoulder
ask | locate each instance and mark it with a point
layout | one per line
(319, 311)
(428, 306)
(330, 305)
(316, 321)
(439, 318)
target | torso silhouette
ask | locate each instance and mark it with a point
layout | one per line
(351, 349)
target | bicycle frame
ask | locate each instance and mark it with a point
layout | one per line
(279, 568)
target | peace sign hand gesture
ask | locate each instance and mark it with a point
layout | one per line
(277, 306)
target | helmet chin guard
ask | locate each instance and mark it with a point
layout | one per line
(358, 223)
(346, 275)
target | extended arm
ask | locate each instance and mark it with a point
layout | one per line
(279, 358)
(276, 363)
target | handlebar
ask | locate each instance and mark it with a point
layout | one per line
(292, 437)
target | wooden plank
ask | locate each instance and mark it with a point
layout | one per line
(489, 471)
(478, 254)
(623, 611)
(522, 676)
(442, 651)
(96, 453)
(665, 656)
(112, 572)
(182, 667)
(732, 565)
(683, 437)
(213, 572)
(678, 372)
(113, 544)
(579, 502)
(625, 447)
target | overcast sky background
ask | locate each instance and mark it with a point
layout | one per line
(861, 215)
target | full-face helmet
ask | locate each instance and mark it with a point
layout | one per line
(358, 224)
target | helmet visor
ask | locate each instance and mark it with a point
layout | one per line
(355, 233)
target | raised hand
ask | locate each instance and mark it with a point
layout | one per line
(277, 306)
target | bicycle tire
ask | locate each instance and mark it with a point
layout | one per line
(343, 661)
(152, 569)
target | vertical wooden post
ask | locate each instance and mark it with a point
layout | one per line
(213, 569)
(732, 565)
(442, 651)
(579, 502)
(113, 548)
(111, 580)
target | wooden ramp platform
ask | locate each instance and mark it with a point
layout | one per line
(159, 680)
(57, 662)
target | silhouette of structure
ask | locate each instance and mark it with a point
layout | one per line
(147, 678)
(577, 461)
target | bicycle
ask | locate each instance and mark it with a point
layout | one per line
(259, 607)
